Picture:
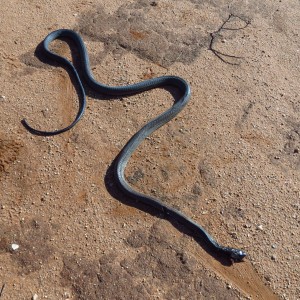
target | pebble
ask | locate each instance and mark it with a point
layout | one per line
(15, 247)
(268, 278)
(273, 257)
(260, 227)
(35, 297)
(2, 97)
(67, 295)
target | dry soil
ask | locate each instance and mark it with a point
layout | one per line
(230, 160)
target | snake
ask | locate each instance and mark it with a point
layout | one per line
(122, 159)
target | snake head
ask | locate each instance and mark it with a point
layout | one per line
(237, 254)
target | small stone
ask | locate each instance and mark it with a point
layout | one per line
(234, 235)
(260, 227)
(268, 278)
(229, 286)
(274, 246)
(35, 297)
(273, 257)
(2, 97)
(15, 247)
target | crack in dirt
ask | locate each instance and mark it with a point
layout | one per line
(216, 34)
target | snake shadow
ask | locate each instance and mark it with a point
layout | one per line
(76, 61)
(115, 192)
(39, 53)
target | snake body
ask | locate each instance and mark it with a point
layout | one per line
(124, 156)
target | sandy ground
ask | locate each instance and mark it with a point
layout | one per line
(230, 160)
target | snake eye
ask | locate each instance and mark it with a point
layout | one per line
(237, 254)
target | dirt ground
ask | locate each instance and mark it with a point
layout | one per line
(230, 160)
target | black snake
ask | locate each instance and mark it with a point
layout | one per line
(122, 159)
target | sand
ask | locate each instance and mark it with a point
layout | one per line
(230, 160)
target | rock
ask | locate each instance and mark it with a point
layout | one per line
(260, 227)
(268, 278)
(15, 247)
(35, 297)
